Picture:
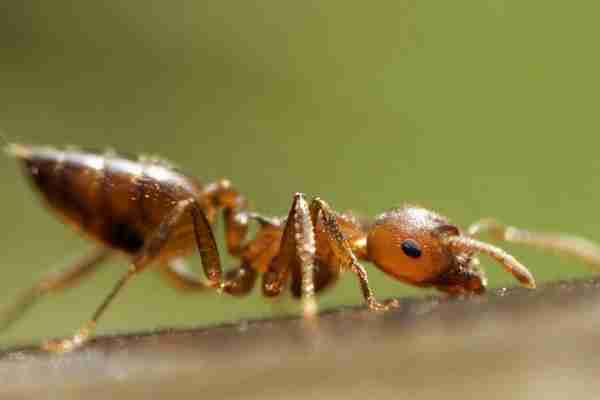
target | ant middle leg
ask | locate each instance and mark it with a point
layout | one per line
(238, 281)
(149, 252)
(56, 281)
(344, 254)
(297, 252)
(324, 277)
(574, 246)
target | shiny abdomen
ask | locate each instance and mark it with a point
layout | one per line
(117, 201)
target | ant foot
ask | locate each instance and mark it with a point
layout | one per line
(310, 309)
(67, 345)
(374, 305)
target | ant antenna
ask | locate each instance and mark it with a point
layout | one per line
(519, 271)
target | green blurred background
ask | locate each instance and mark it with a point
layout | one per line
(473, 108)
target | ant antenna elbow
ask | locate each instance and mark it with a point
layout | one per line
(518, 270)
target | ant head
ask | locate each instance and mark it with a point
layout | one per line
(408, 243)
(419, 246)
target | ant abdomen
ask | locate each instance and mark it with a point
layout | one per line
(116, 200)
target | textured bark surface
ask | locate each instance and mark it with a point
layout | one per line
(513, 343)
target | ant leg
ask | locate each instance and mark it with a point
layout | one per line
(263, 220)
(207, 247)
(324, 277)
(179, 276)
(222, 195)
(145, 256)
(56, 281)
(238, 282)
(297, 249)
(575, 246)
(344, 254)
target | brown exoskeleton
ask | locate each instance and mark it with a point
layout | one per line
(155, 214)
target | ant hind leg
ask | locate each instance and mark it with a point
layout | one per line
(151, 249)
(54, 282)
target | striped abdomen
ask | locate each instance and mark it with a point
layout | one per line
(116, 200)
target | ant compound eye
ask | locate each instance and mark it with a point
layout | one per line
(411, 248)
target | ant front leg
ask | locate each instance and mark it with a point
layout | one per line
(344, 254)
(151, 249)
(297, 250)
(575, 246)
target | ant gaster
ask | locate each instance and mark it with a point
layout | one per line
(155, 214)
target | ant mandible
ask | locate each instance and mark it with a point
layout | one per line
(155, 214)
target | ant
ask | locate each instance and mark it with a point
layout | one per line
(155, 214)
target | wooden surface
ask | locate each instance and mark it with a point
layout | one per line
(511, 344)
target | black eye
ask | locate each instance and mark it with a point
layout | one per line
(411, 248)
